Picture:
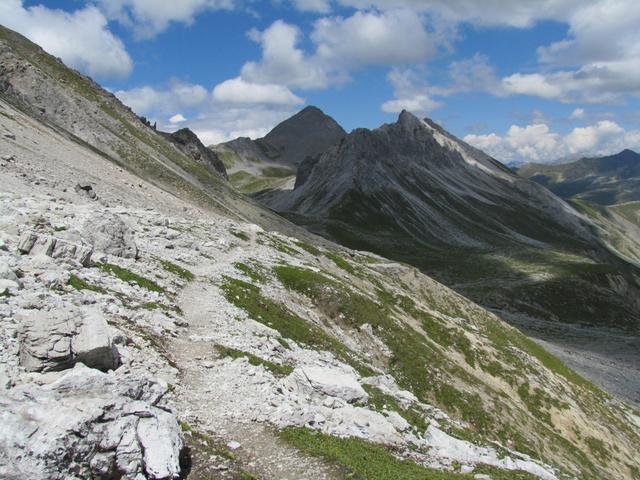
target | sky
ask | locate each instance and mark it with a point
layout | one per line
(524, 80)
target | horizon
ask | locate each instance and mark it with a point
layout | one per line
(521, 82)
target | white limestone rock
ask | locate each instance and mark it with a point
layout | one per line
(59, 338)
(326, 382)
(109, 234)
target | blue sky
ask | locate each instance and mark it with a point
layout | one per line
(526, 80)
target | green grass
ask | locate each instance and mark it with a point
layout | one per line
(130, 277)
(251, 271)
(268, 312)
(240, 235)
(277, 172)
(311, 249)
(177, 270)
(79, 284)
(362, 460)
(340, 262)
(276, 369)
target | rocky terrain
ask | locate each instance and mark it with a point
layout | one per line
(156, 324)
(603, 180)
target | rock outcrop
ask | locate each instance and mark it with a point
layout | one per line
(105, 426)
(58, 339)
(109, 234)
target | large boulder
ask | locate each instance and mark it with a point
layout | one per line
(89, 424)
(109, 234)
(31, 243)
(58, 339)
(323, 382)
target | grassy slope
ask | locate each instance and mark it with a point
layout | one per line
(450, 353)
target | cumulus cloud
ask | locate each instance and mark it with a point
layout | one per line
(410, 92)
(598, 62)
(392, 37)
(537, 143)
(147, 18)
(283, 63)
(81, 38)
(178, 96)
(238, 91)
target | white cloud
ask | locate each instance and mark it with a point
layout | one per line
(577, 114)
(514, 13)
(393, 37)
(317, 6)
(598, 62)
(537, 143)
(283, 63)
(589, 138)
(221, 125)
(81, 38)
(177, 96)
(177, 118)
(147, 18)
(410, 93)
(238, 91)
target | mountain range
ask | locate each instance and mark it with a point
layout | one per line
(605, 180)
(157, 323)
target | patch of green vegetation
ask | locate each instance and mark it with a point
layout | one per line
(364, 460)
(79, 284)
(340, 262)
(361, 459)
(251, 271)
(311, 249)
(6, 293)
(264, 310)
(278, 172)
(274, 368)
(130, 277)
(177, 270)
(240, 235)
(598, 448)
(470, 406)
(60, 228)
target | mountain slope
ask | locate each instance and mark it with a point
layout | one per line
(271, 162)
(414, 193)
(603, 180)
(41, 86)
(315, 361)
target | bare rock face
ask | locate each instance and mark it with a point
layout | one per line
(31, 243)
(316, 380)
(57, 339)
(105, 426)
(109, 234)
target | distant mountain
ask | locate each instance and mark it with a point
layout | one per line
(604, 180)
(271, 162)
(415, 193)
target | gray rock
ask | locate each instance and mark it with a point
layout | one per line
(26, 242)
(87, 189)
(326, 382)
(9, 135)
(94, 435)
(37, 245)
(60, 338)
(109, 234)
(8, 158)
